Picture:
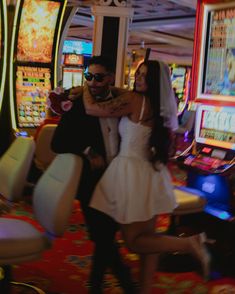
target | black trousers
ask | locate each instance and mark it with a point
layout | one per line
(102, 230)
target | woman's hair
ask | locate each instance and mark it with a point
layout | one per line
(160, 139)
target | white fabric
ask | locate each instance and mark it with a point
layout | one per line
(168, 106)
(109, 129)
(130, 189)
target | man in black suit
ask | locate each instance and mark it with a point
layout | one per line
(96, 140)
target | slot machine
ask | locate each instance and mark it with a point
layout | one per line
(3, 47)
(210, 161)
(72, 70)
(33, 60)
(180, 78)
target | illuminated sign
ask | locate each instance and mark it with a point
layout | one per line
(36, 31)
(216, 126)
(74, 59)
(32, 87)
(77, 47)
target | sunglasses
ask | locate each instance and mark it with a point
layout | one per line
(99, 77)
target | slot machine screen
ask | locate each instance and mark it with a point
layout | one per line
(215, 126)
(217, 61)
(72, 77)
(178, 80)
(36, 31)
(32, 87)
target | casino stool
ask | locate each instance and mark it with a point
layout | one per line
(190, 201)
(53, 199)
(43, 152)
(14, 168)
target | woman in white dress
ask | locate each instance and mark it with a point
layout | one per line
(136, 187)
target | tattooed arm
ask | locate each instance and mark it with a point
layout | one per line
(116, 107)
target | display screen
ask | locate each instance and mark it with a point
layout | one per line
(178, 80)
(72, 77)
(216, 126)
(32, 87)
(73, 59)
(36, 31)
(219, 66)
(77, 47)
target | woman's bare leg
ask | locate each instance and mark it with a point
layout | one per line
(140, 240)
(148, 265)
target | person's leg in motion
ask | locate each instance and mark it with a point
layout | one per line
(106, 254)
(148, 265)
(142, 242)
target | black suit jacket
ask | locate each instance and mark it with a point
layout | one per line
(76, 131)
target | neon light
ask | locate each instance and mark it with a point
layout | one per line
(221, 214)
(11, 90)
(3, 79)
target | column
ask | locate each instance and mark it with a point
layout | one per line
(110, 33)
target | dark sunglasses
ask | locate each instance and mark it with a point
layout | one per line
(99, 77)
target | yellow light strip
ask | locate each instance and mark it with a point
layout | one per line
(3, 79)
(220, 144)
(57, 43)
(11, 80)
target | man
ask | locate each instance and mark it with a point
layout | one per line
(96, 140)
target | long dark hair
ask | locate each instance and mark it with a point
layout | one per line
(160, 139)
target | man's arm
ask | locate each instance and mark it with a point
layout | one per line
(120, 106)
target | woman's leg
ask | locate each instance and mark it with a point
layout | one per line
(148, 266)
(141, 241)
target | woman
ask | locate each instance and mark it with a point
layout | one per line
(136, 186)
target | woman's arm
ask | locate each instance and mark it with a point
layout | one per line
(116, 107)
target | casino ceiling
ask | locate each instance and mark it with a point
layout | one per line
(167, 27)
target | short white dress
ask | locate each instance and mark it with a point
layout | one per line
(130, 190)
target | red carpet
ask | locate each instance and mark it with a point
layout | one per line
(64, 269)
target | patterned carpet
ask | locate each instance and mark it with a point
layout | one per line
(64, 268)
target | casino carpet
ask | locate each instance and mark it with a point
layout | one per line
(64, 268)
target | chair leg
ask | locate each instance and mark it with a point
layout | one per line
(5, 278)
(6, 281)
(37, 290)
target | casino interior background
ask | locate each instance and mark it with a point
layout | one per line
(189, 36)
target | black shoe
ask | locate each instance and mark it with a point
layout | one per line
(124, 277)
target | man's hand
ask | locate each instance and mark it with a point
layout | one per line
(96, 160)
(75, 93)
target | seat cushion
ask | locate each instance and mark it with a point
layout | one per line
(188, 201)
(19, 239)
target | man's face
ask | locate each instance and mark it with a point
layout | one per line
(100, 80)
